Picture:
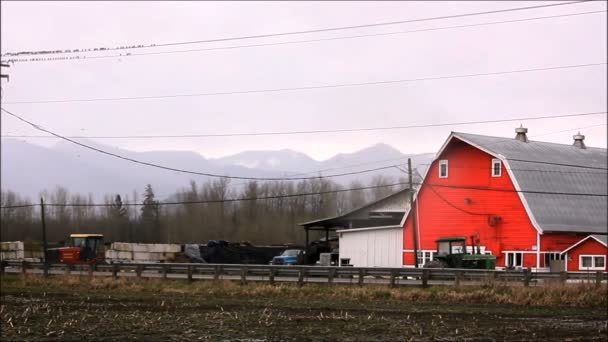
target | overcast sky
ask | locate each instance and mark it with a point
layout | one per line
(552, 42)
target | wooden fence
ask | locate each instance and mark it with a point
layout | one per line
(308, 274)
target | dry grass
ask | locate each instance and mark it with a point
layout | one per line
(583, 295)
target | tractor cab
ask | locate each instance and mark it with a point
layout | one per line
(452, 253)
(79, 249)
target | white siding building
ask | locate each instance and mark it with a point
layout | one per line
(370, 236)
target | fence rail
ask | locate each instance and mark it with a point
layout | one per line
(308, 274)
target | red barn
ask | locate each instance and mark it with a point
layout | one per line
(527, 202)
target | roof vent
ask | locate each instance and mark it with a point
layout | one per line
(578, 140)
(521, 133)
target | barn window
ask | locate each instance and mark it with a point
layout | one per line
(443, 169)
(592, 262)
(496, 168)
(514, 259)
(425, 256)
(552, 256)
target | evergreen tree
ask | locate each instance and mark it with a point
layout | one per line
(150, 216)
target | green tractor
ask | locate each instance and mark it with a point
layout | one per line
(452, 253)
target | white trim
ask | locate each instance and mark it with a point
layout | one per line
(506, 254)
(366, 229)
(430, 251)
(566, 262)
(583, 240)
(537, 249)
(408, 251)
(447, 169)
(593, 267)
(418, 226)
(522, 199)
(494, 161)
(525, 252)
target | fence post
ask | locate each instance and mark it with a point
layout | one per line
(2, 266)
(331, 275)
(244, 275)
(527, 277)
(190, 273)
(563, 277)
(138, 270)
(458, 277)
(491, 277)
(392, 279)
(271, 273)
(362, 273)
(598, 278)
(91, 269)
(165, 271)
(114, 271)
(45, 269)
(425, 278)
(23, 267)
(218, 272)
(301, 273)
(67, 269)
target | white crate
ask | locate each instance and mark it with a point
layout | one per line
(113, 254)
(146, 256)
(12, 255)
(122, 246)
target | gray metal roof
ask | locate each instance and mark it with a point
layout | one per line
(581, 171)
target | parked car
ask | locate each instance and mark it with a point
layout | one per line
(289, 257)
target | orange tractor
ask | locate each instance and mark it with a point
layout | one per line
(80, 249)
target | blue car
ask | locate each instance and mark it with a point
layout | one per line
(289, 257)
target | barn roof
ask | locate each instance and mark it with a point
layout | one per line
(563, 187)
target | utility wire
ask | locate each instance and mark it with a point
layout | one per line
(328, 86)
(559, 164)
(209, 201)
(454, 206)
(121, 55)
(314, 193)
(330, 29)
(481, 188)
(210, 174)
(187, 171)
(461, 123)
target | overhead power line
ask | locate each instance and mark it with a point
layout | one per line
(328, 86)
(342, 130)
(268, 35)
(481, 188)
(182, 170)
(209, 201)
(393, 33)
(310, 194)
(558, 164)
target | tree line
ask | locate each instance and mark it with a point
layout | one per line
(269, 216)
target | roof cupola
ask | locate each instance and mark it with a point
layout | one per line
(521, 133)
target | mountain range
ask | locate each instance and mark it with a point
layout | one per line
(28, 169)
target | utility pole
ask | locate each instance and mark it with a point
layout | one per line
(413, 211)
(3, 65)
(44, 245)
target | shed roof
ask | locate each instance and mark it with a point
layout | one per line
(395, 204)
(603, 239)
(565, 171)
